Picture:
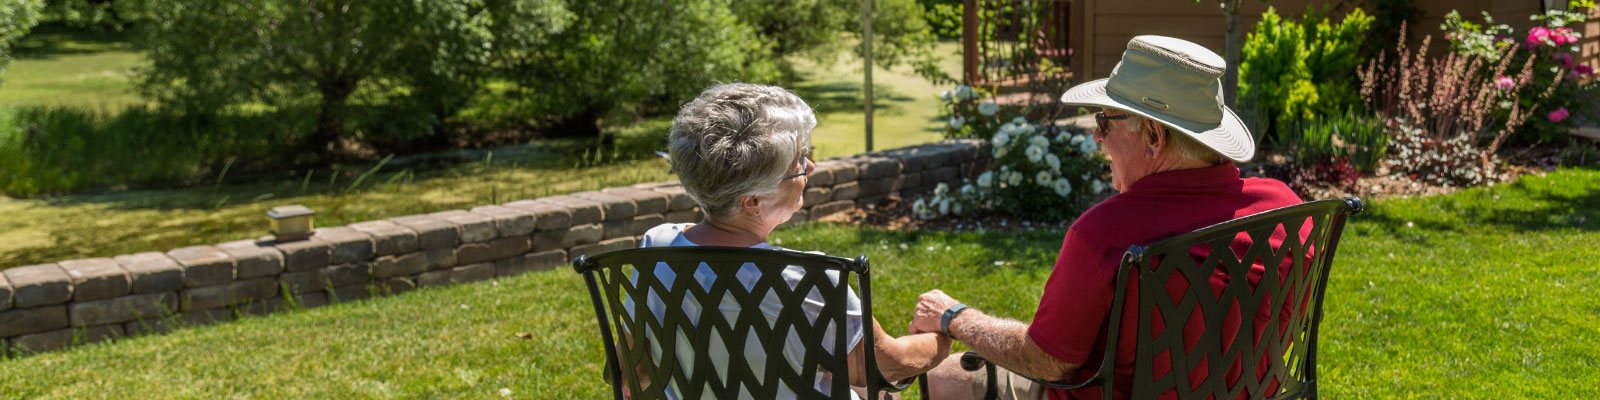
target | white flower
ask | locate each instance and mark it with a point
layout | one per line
(1034, 153)
(1088, 147)
(1098, 186)
(1076, 140)
(957, 209)
(988, 108)
(1008, 129)
(999, 152)
(963, 92)
(1064, 137)
(944, 207)
(919, 207)
(1040, 141)
(945, 95)
(505, 392)
(968, 190)
(1026, 128)
(957, 122)
(1053, 161)
(986, 179)
(1001, 139)
(1062, 187)
(1014, 179)
(1019, 120)
(1043, 178)
(941, 190)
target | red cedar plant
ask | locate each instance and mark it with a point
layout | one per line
(1450, 99)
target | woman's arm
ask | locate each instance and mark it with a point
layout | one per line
(898, 358)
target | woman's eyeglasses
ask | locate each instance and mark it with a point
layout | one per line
(806, 166)
(1103, 121)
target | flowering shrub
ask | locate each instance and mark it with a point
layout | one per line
(1040, 171)
(1549, 51)
(1452, 161)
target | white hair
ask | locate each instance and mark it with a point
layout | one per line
(737, 139)
(1185, 146)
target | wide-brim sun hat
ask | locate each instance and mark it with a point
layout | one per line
(1174, 82)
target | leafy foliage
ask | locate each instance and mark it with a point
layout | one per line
(16, 18)
(1358, 138)
(1300, 71)
(1549, 51)
(1037, 170)
(407, 64)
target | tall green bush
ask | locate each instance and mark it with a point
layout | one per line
(349, 65)
(1301, 70)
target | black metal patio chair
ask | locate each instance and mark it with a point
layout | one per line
(1288, 347)
(675, 352)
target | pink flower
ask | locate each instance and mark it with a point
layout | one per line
(1558, 115)
(1504, 83)
(1583, 70)
(1538, 35)
(1564, 35)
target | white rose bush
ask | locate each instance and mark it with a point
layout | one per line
(1037, 171)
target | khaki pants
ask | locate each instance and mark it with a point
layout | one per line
(1008, 385)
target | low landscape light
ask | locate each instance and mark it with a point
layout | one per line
(291, 222)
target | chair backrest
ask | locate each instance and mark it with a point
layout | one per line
(708, 337)
(1235, 293)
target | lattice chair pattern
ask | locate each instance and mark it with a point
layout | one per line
(710, 331)
(1272, 359)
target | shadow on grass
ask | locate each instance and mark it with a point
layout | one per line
(1008, 246)
(53, 40)
(1567, 199)
(847, 97)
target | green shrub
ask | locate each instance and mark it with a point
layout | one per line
(1298, 71)
(46, 150)
(345, 60)
(1360, 138)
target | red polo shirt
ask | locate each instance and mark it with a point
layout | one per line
(1070, 323)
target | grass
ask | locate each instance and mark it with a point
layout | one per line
(1486, 293)
(57, 66)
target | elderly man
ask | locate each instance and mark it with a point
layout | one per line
(1171, 143)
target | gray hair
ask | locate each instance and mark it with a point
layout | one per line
(1185, 146)
(737, 139)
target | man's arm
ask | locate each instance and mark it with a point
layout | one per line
(1002, 341)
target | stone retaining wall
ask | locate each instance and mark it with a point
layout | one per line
(55, 305)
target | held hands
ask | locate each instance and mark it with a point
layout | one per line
(930, 308)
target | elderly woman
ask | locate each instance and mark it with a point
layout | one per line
(741, 152)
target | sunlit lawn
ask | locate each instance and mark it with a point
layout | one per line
(1488, 293)
(58, 67)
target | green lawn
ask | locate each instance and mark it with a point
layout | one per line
(1486, 293)
(55, 66)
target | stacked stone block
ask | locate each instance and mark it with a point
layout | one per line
(51, 306)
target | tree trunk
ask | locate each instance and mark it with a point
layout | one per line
(330, 117)
(1230, 75)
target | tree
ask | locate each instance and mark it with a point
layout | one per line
(1230, 52)
(16, 18)
(408, 64)
(575, 61)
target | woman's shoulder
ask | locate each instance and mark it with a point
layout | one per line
(669, 234)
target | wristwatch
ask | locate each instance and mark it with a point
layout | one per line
(950, 314)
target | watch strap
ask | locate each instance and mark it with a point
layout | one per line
(950, 314)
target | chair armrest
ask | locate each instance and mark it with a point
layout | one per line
(971, 361)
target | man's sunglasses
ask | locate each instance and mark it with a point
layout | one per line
(1103, 121)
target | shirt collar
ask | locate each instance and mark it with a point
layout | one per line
(1211, 176)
